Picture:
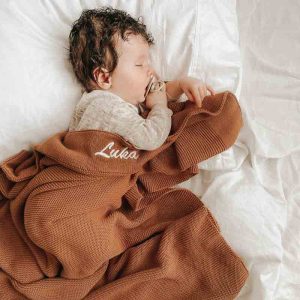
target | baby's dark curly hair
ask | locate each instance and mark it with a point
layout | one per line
(92, 44)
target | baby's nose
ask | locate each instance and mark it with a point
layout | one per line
(151, 72)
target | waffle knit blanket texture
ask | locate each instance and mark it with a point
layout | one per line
(85, 215)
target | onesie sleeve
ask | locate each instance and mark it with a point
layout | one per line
(144, 134)
(123, 118)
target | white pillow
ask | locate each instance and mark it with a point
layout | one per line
(38, 88)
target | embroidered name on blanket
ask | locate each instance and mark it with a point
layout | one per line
(117, 153)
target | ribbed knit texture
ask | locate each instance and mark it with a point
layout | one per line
(78, 225)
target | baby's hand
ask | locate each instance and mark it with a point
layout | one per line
(159, 97)
(195, 89)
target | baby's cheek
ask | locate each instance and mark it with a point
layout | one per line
(135, 84)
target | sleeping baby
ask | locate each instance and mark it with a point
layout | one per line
(109, 52)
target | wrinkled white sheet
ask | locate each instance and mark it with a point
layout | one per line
(253, 188)
(257, 203)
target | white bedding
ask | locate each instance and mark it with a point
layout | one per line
(258, 203)
(253, 188)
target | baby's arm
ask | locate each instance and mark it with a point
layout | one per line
(145, 134)
(123, 119)
(173, 90)
(194, 88)
(151, 133)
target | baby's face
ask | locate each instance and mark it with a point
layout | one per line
(132, 74)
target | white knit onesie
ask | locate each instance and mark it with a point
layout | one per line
(107, 111)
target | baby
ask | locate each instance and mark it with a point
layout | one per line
(109, 52)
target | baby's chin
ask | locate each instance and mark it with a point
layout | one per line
(140, 98)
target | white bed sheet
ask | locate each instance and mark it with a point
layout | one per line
(257, 204)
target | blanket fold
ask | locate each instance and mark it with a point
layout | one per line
(85, 215)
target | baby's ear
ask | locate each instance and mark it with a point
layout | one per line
(102, 77)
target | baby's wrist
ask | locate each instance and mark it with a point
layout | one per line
(163, 105)
(173, 89)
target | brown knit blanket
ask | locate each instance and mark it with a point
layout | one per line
(84, 215)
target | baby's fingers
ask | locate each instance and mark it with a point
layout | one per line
(203, 91)
(189, 95)
(211, 90)
(197, 94)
